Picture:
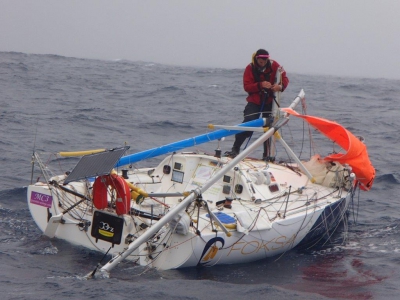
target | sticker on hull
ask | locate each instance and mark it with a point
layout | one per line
(41, 199)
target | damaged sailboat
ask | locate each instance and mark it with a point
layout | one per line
(199, 209)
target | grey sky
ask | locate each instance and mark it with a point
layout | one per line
(337, 37)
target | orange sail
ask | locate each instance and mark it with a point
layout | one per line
(356, 152)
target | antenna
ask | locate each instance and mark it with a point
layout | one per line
(33, 151)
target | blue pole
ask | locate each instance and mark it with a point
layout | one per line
(190, 142)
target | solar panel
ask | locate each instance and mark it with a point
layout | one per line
(96, 164)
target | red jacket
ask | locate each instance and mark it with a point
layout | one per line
(252, 85)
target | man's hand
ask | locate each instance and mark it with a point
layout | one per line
(266, 85)
(276, 87)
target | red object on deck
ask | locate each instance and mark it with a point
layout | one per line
(100, 193)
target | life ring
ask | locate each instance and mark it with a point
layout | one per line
(100, 193)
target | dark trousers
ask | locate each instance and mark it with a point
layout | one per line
(252, 112)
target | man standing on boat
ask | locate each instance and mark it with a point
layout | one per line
(261, 82)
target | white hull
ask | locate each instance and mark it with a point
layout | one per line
(263, 221)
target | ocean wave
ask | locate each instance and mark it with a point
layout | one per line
(391, 178)
(79, 103)
(13, 195)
